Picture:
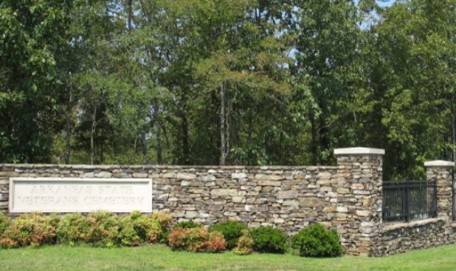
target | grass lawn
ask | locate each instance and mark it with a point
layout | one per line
(158, 257)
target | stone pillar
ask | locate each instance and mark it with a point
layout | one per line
(441, 172)
(359, 198)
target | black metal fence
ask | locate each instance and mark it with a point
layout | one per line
(409, 200)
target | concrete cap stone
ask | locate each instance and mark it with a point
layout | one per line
(358, 151)
(439, 163)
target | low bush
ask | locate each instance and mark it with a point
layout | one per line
(187, 225)
(245, 243)
(196, 240)
(4, 222)
(103, 229)
(137, 228)
(29, 229)
(269, 239)
(100, 228)
(73, 229)
(317, 241)
(164, 219)
(128, 232)
(231, 231)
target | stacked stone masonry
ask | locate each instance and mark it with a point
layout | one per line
(402, 237)
(346, 197)
(286, 197)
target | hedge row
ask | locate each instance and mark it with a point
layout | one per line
(99, 228)
(105, 229)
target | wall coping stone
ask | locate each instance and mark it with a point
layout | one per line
(358, 151)
(417, 223)
(82, 166)
(439, 163)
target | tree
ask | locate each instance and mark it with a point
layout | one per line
(327, 49)
(32, 34)
(414, 77)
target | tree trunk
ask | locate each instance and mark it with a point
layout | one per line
(185, 141)
(314, 139)
(68, 130)
(92, 133)
(158, 126)
(130, 14)
(144, 147)
(222, 125)
(453, 125)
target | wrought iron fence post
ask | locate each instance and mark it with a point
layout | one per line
(406, 199)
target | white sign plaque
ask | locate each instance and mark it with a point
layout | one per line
(79, 195)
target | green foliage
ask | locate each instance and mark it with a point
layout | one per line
(269, 239)
(138, 228)
(196, 240)
(244, 244)
(234, 81)
(187, 225)
(73, 229)
(29, 229)
(231, 231)
(416, 86)
(4, 222)
(103, 229)
(107, 230)
(32, 37)
(317, 241)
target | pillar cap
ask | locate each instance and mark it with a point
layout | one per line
(358, 151)
(439, 163)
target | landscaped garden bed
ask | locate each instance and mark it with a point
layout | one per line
(103, 229)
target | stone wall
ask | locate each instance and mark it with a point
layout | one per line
(286, 197)
(402, 237)
(347, 197)
(395, 238)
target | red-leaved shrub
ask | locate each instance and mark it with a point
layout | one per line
(196, 240)
(29, 229)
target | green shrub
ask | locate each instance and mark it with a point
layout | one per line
(4, 222)
(269, 239)
(103, 229)
(196, 240)
(29, 229)
(150, 228)
(231, 231)
(317, 241)
(73, 229)
(128, 234)
(98, 228)
(163, 219)
(245, 243)
(187, 225)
